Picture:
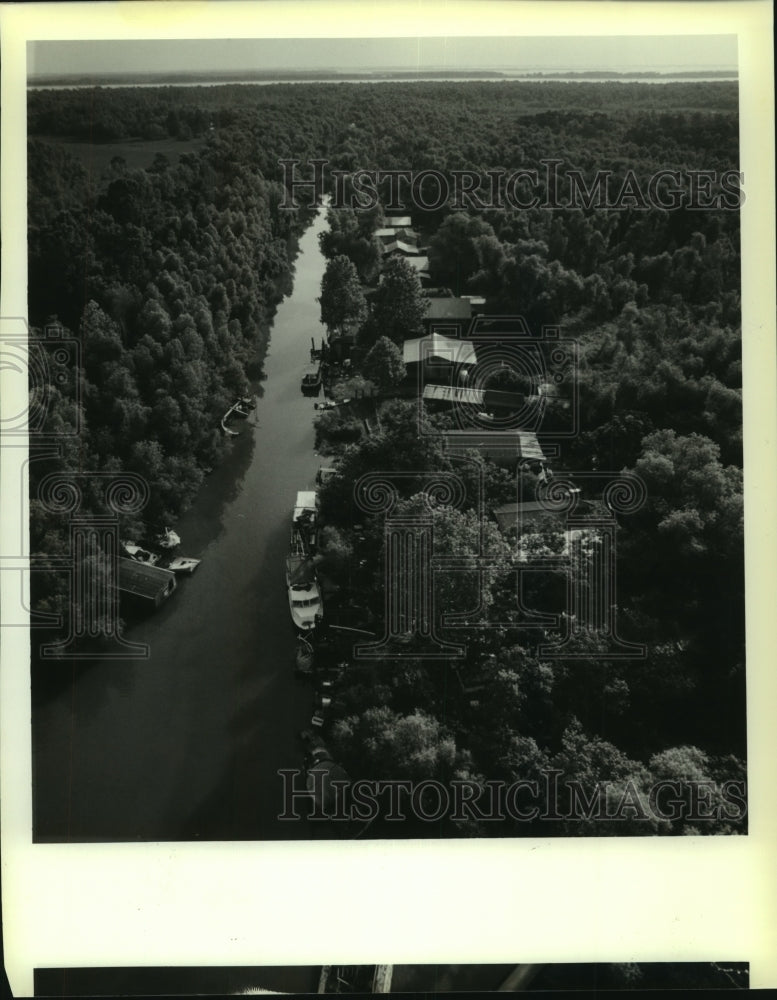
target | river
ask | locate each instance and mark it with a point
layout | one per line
(187, 743)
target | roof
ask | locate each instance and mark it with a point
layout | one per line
(144, 580)
(512, 515)
(486, 399)
(399, 246)
(448, 308)
(509, 445)
(395, 233)
(398, 220)
(454, 394)
(459, 352)
(306, 500)
(418, 263)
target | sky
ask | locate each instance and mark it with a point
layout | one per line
(668, 53)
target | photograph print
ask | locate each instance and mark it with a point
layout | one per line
(386, 438)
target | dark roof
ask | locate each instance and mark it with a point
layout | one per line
(514, 515)
(447, 308)
(144, 581)
(508, 445)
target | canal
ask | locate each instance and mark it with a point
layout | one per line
(187, 743)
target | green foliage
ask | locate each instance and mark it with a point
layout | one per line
(384, 365)
(398, 305)
(342, 301)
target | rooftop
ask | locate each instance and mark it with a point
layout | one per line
(436, 346)
(448, 308)
(144, 580)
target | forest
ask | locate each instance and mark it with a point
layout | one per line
(169, 275)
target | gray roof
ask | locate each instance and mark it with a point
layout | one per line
(143, 580)
(509, 445)
(448, 308)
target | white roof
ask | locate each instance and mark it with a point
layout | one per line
(306, 500)
(459, 352)
(397, 221)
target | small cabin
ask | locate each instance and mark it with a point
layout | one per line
(150, 583)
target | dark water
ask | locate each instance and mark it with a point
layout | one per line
(187, 743)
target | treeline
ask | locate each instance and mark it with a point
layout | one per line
(168, 278)
(653, 299)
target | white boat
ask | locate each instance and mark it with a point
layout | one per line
(139, 554)
(304, 596)
(182, 564)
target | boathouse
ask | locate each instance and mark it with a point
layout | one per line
(147, 582)
(509, 447)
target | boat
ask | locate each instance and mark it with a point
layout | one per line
(183, 564)
(139, 554)
(228, 430)
(303, 522)
(243, 406)
(311, 380)
(303, 656)
(167, 539)
(304, 596)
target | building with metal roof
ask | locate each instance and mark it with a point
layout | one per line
(507, 447)
(436, 348)
(148, 582)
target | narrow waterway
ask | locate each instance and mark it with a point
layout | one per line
(187, 743)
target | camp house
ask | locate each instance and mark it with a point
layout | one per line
(509, 447)
(438, 359)
(395, 247)
(147, 582)
(484, 400)
(450, 315)
(398, 222)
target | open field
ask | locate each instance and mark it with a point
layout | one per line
(139, 153)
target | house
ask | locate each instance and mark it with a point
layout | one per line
(420, 265)
(439, 359)
(403, 233)
(450, 315)
(520, 522)
(484, 399)
(520, 515)
(147, 582)
(399, 247)
(398, 221)
(508, 447)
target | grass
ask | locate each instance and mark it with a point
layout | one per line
(139, 153)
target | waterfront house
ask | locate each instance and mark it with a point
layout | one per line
(437, 359)
(508, 447)
(150, 583)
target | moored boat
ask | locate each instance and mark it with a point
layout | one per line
(311, 380)
(183, 564)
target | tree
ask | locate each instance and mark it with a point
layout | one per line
(454, 254)
(398, 305)
(342, 301)
(384, 365)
